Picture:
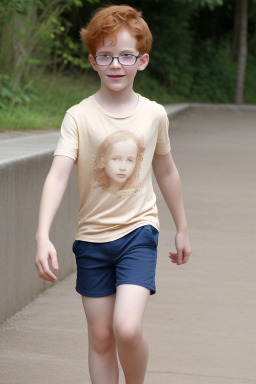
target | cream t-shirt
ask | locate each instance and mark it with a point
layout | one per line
(113, 154)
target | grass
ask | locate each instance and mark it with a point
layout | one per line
(52, 98)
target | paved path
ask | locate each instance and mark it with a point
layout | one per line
(201, 324)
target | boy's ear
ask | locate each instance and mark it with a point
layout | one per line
(143, 62)
(93, 62)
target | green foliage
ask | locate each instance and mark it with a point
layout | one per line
(189, 59)
(13, 95)
(54, 97)
(202, 3)
(27, 39)
(214, 73)
(67, 52)
(250, 81)
(170, 56)
(150, 87)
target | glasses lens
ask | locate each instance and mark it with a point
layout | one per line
(103, 59)
(127, 59)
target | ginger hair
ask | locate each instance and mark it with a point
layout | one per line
(107, 21)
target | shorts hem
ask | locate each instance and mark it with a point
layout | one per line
(95, 294)
(148, 286)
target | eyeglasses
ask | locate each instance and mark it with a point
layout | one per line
(126, 59)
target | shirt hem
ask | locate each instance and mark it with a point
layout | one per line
(107, 239)
(61, 153)
(163, 152)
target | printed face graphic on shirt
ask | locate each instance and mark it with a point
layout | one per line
(121, 163)
(118, 162)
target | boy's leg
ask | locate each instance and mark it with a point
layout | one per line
(132, 346)
(103, 365)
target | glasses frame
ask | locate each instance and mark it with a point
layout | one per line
(117, 57)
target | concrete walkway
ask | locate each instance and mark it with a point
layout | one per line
(201, 324)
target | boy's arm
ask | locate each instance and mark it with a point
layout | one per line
(168, 179)
(53, 191)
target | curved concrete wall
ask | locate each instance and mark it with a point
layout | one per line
(21, 183)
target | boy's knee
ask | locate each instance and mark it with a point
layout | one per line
(128, 333)
(102, 339)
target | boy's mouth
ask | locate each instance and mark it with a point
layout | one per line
(115, 76)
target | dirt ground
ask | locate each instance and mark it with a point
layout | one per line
(201, 324)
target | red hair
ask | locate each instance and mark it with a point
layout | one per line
(107, 21)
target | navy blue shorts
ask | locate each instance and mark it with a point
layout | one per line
(101, 267)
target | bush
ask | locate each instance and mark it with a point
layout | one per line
(11, 95)
(214, 74)
(53, 98)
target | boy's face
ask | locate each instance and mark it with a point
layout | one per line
(117, 77)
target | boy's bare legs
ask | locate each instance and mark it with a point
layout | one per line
(122, 312)
(132, 346)
(103, 365)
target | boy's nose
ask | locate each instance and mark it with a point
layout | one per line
(115, 63)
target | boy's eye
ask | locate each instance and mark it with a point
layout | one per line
(104, 59)
(127, 59)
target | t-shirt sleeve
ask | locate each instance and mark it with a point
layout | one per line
(68, 140)
(163, 142)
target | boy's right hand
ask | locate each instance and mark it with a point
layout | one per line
(45, 251)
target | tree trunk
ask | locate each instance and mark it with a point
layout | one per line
(236, 30)
(242, 52)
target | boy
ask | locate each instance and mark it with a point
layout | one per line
(117, 234)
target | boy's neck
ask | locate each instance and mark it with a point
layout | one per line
(117, 102)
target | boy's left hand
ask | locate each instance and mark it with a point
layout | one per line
(182, 244)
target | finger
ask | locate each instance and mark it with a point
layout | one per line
(173, 255)
(47, 273)
(173, 259)
(179, 257)
(39, 269)
(51, 277)
(185, 258)
(54, 260)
